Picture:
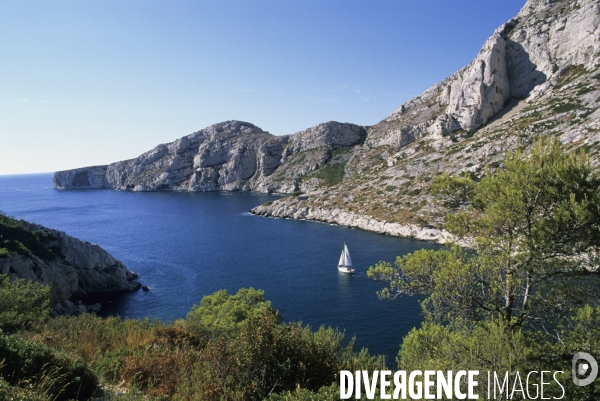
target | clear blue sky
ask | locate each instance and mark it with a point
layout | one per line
(98, 81)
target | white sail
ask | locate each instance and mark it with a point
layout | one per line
(342, 261)
(347, 256)
(345, 263)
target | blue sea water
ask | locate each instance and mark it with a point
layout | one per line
(187, 245)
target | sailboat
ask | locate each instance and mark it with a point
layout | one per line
(345, 263)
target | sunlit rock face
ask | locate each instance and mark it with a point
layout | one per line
(231, 156)
(80, 270)
(519, 60)
(537, 74)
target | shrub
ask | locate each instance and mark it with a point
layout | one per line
(274, 357)
(28, 361)
(22, 303)
(14, 237)
(324, 394)
(563, 108)
(331, 174)
(36, 391)
(222, 314)
(238, 350)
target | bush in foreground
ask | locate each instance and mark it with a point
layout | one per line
(524, 296)
(33, 365)
(244, 352)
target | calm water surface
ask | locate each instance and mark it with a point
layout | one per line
(187, 245)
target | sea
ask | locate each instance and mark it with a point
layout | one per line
(187, 245)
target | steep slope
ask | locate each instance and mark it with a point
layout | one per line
(537, 74)
(229, 156)
(71, 267)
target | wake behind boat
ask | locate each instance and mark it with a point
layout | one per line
(345, 263)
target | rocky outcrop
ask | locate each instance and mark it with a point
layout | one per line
(295, 209)
(523, 58)
(537, 74)
(230, 156)
(82, 269)
(82, 178)
(466, 100)
(68, 308)
(519, 60)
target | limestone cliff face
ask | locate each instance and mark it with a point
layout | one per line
(297, 208)
(82, 269)
(543, 40)
(538, 73)
(82, 178)
(229, 156)
(466, 100)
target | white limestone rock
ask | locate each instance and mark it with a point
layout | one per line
(290, 208)
(230, 156)
(544, 39)
(522, 61)
(82, 178)
(82, 269)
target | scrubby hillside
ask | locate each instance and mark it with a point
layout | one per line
(72, 268)
(537, 74)
(230, 347)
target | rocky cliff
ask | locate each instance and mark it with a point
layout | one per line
(229, 156)
(77, 269)
(537, 74)
(522, 59)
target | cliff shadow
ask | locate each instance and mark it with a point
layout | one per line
(523, 74)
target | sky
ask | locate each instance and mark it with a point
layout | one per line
(98, 81)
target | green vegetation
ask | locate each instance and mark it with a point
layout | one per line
(331, 174)
(453, 149)
(572, 73)
(585, 90)
(16, 238)
(510, 26)
(524, 297)
(453, 191)
(34, 364)
(22, 304)
(230, 347)
(221, 313)
(564, 107)
(342, 150)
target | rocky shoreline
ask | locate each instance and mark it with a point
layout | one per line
(81, 270)
(294, 209)
(537, 74)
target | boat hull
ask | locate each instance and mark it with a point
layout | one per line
(346, 270)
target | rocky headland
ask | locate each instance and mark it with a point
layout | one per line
(229, 156)
(294, 208)
(74, 270)
(537, 74)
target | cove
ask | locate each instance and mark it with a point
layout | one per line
(187, 245)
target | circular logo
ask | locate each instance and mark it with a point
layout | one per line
(580, 368)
